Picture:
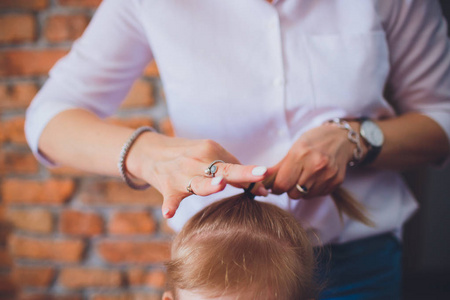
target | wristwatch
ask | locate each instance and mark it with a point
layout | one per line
(374, 138)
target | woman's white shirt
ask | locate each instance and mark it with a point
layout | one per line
(254, 76)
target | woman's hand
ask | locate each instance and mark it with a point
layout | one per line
(316, 161)
(169, 164)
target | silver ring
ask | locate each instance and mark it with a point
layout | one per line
(302, 189)
(189, 187)
(212, 169)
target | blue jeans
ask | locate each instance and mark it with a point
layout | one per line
(367, 269)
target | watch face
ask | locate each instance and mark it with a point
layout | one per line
(372, 133)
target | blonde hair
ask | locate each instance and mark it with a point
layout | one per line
(245, 248)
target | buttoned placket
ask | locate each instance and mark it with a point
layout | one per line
(278, 82)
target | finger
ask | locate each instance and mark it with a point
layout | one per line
(204, 186)
(301, 190)
(322, 181)
(259, 190)
(335, 181)
(199, 185)
(170, 205)
(241, 175)
(288, 175)
(327, 186)
(319, 183)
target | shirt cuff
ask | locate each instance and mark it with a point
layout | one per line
(37, 117)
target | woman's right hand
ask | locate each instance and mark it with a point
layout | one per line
(170, 163)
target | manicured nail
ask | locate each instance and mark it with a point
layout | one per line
(263, 191)
(166, 212)
(259, 171)
(216, 180)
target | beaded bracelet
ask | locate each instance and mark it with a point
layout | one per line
(353, 136)
(123, 156)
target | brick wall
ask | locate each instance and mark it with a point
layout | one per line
(65, 234)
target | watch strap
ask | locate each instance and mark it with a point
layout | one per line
(371, 155)
(373, 151)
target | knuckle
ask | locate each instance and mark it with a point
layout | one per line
(283, 186)
(225, 169)
(207, 147)
(321, 161)
(303, 151)
(213, 146)
(332, 173)
(339, 179)
(294, 195)
(277, 191)
(334, 170)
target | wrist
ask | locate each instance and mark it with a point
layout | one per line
(373, 137)
(356, 125)
(352, 138)
(138, 159)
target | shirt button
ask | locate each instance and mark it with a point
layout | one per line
(281, 132)
(278, 82)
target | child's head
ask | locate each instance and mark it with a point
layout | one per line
(239, 248)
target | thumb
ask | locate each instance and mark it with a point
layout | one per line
(271, 175)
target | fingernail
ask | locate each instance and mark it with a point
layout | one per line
(216, 180)
(258, 171)
(263, 191)
(166, 212)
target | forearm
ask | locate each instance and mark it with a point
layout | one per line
(411, 140)
(78, 138)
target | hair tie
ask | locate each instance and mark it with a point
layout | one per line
(248, 190)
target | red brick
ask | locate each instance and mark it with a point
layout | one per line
(156, 279)
(126, 296)
(134, 252)
(5, 258)
(151, 70)
(14, 131)
(140, 95)
(28, 62)
(134, 122)
(40, 296)
(68, 171)
(127, 223)
(32, 220)
(17, 96)
(80, 3)
(17, 28)
(78, 278)
(81, 223)
(2, 133)
(135, 277)
(7, 284)
(166, 127)
(58, 250)
(139, 277)
(2, 212)
(51, 192)
(165, 228)
(24, 4)
(5, 230)
(117, 193)
(61, 28)
(17, 163)
(33, 276)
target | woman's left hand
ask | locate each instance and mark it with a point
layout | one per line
(317, 161)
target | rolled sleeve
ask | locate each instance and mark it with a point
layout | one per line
(420, 60)
(97, 73)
